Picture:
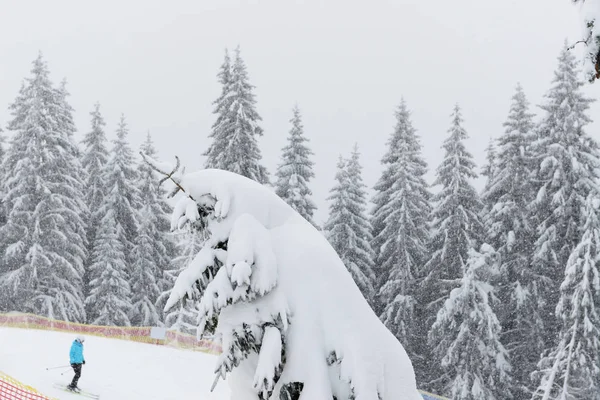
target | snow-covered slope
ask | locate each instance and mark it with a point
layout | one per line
(115, 369)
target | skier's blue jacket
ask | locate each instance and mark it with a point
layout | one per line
(76, 353)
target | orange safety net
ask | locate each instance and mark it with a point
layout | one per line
(12, 389)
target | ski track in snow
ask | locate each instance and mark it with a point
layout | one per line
(115, 369)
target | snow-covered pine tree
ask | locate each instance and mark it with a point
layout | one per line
(109, 300)
(118, 216)
(400, 231)
(222, 110)
(572, 369)
(65, 115)
(566, 161)
(466, 336)
(489, 168)
(235, 133)
(153, 249)
(296, 170)
(348, 228)
(43, 242)
(508, 195)
(456, 226)
(122, 194)
(94, 160)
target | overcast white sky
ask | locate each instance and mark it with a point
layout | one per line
(346, 64)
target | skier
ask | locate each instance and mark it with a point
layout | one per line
(77, 360)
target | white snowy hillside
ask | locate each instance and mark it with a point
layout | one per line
(114, 369)
(293, 323)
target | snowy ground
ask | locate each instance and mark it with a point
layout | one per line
(115, 369)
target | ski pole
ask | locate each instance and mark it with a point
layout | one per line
(63, 366)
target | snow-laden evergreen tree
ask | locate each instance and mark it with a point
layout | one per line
(94, 160)
(153, 249)
(348, 228)
(122, 189)
(466, 336)
(222, 110)
(43, 243)
(572, 369)
(455, 216)
(400, 231)
(489, 168)
(118, 216)
(509, 230)
(109, 300)
(566, 163)
(65, 115)
(456, 227)
(296, 170)
(235, 133)
(185, 317)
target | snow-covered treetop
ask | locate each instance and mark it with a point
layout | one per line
(236, 130)
(490, 158)
(562, 140)
(295, 170)
(95, 142)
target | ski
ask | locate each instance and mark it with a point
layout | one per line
(80, 392)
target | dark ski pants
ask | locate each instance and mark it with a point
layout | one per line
(77, 369)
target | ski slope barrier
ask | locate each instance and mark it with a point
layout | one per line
(12, 389)
(135, 334)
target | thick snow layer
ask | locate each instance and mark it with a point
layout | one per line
(115, 369)
(279, 269)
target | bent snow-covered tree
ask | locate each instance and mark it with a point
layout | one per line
(284, 334)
